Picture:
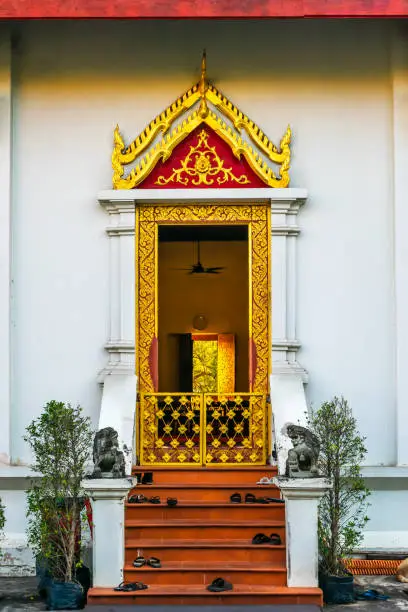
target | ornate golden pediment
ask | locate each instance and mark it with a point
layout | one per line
(202, 104)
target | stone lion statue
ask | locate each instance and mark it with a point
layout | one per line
(302, 458)
(109, 461)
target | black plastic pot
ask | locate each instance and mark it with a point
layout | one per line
(337, 589)
(65, 596)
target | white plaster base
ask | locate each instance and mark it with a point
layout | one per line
(302, 497)
(108, 517)
(118, 410)
(16, 557)
(288, 405)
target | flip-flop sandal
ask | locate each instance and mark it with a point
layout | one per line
(250, 498)
(154, 562)
(137, 499)
(130, 586)
(261, 538)
(370, 595)
(218, 585)
(172, 501)
(139, 562)
(275, 539)
(154, 500)
(236, 498)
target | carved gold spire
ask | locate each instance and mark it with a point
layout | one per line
(203, 87)
(223, 117)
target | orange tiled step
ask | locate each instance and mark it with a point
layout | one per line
(184, 594)
(206, 550)
(201, 529)
(205, 510)
(202, 573)
(204, 491)
(184, 475)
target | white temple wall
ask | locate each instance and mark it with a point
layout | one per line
(331, 81)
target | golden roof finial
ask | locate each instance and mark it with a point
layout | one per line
(203, 86)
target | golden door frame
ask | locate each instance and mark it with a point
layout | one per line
(257, 217)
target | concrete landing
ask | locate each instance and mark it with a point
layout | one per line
(19, 595)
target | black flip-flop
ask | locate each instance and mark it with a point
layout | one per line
(130, 586)
(154, 500)
(139, 562)
(275, 539)
(172, 501)
(218, 585)
(250, 498)
(261, 538)
(154, 562)
(236, 498)
(137, 499)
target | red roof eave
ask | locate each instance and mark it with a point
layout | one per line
(190, 9)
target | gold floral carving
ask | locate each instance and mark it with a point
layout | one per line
(226, 363)
(205, 366)
(258, 157)
(200, 167)
(258, 219)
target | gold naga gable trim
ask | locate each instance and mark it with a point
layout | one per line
(258, 156)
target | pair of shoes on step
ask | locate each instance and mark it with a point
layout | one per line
(141, 499)
(152, 562)
(128, 587)
(251, 499)
(266, 481)
(261, 538)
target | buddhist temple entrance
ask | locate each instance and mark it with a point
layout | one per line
(203, 334)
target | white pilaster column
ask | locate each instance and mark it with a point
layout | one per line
(108, 519)
(284, 235)
(302, 496)
(5, 228)
(399, 68)
(119, 381)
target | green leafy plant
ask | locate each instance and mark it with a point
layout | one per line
(342, 511)
(61, 440)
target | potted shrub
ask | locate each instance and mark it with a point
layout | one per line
(342, 511)
(61, 440)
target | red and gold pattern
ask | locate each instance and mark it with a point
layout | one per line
(203, 159)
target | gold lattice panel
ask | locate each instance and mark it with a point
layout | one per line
(170, 427)
(235, 427)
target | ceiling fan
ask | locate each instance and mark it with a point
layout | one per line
(198, 267)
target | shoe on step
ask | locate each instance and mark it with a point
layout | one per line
(261, 538)
(147, 478)
(218, 585)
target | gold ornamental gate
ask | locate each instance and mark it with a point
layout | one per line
(203, 429)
